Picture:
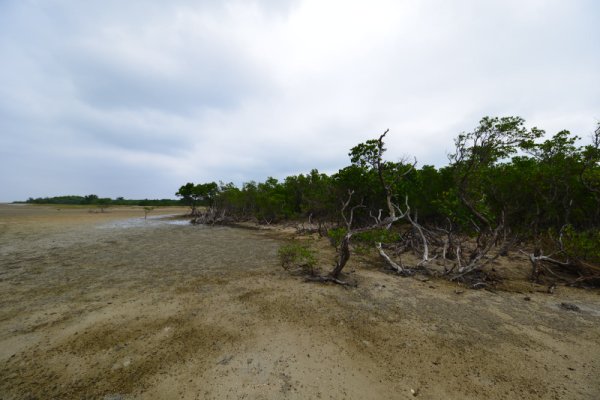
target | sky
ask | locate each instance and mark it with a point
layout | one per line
(136, 98)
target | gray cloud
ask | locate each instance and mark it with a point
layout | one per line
(135, 98)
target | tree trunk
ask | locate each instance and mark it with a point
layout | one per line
(344, 256)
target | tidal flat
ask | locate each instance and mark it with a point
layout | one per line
(114, 306)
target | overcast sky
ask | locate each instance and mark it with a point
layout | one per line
(135, 98)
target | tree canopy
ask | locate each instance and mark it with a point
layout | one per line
(503, 180)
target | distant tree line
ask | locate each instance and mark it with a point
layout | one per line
(93, 199)
(504, 185)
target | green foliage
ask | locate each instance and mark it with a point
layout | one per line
(206, 192)
(377, 236)
(66, 200)
(476, 155)
(186, 193)
(297, 256)
(493, 140)
(200, 194)
(270, 201)
(583, 245)
(90, 199)
(364, 242)
(366, 155)
(147, 210)
(94, 200)
(336, 235)
(501, 173)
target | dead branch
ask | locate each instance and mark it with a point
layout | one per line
(389, 261)
(420, 231)
(538, 261)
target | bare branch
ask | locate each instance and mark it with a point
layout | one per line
(344, 206)
(388, 260)
(420, 230)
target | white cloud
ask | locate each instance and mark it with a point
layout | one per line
(161, 93)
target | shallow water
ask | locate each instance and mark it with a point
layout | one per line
(151, 221)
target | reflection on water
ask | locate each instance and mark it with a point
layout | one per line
(151, 221)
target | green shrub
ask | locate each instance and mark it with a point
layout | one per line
(369, 238)
(297, 256)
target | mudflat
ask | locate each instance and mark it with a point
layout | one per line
(112, 306)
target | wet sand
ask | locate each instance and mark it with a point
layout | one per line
(109, 306)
